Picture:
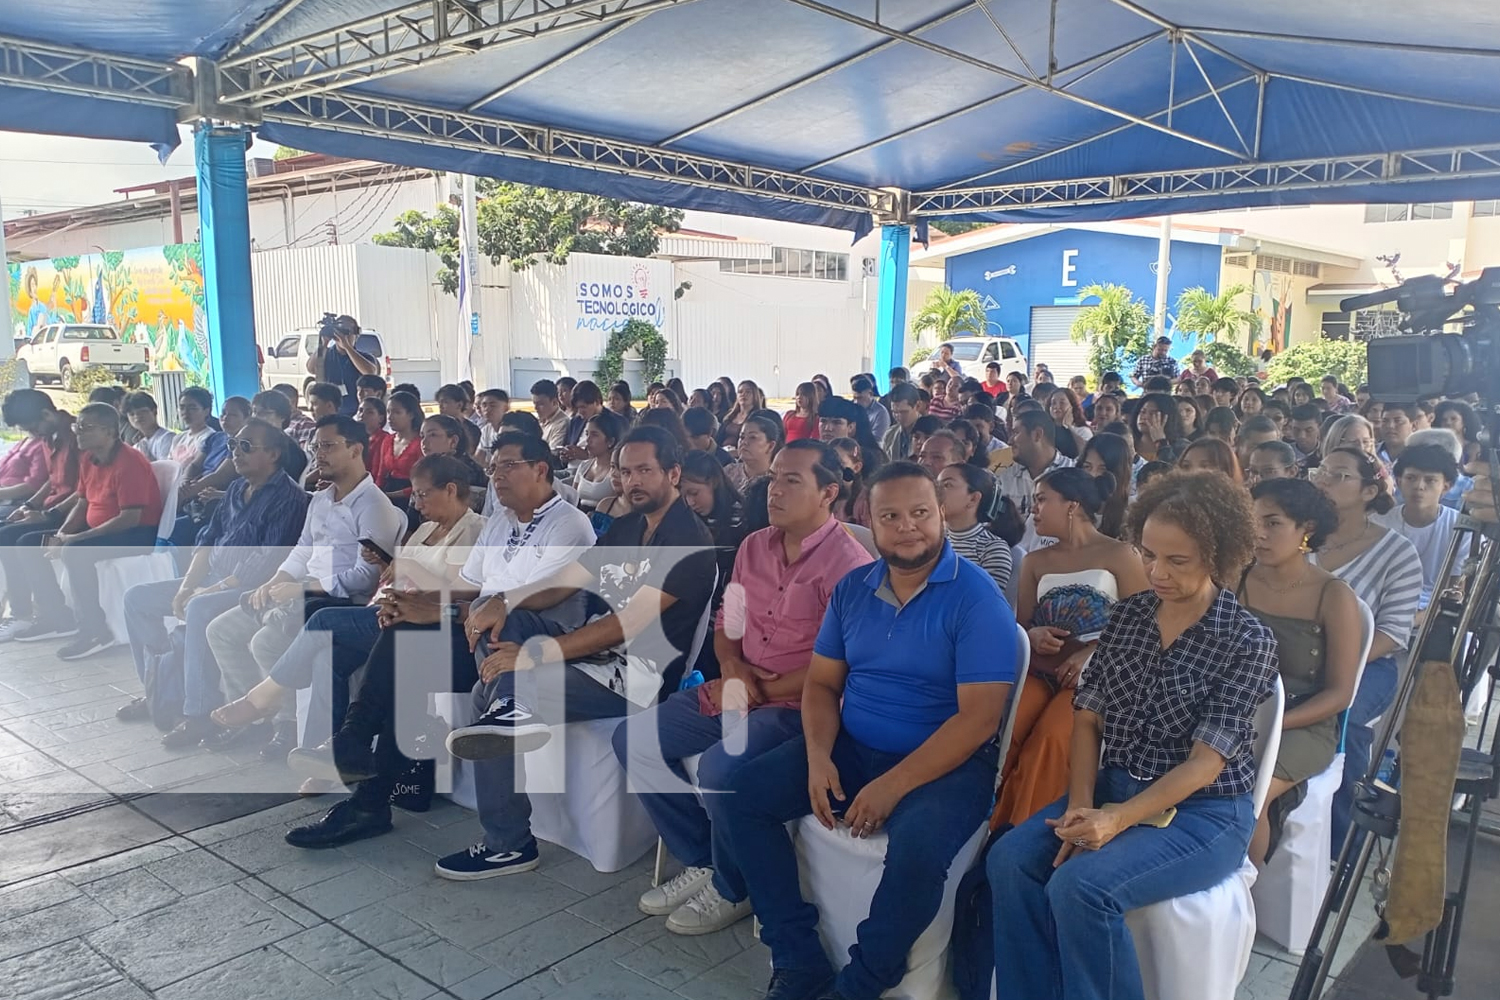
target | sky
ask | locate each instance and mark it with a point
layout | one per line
(44, 173)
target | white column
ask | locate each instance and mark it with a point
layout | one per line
(1163, 266)
(468, 296)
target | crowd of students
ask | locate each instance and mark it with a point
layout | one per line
(1167, 556)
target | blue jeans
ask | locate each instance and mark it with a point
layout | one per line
(693, 830)
(924, 833)
(555, 693)
(333, 644)
(146, 605)
(1377, 690)
(1060, 932)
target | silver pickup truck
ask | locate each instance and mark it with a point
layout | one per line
(62, 350)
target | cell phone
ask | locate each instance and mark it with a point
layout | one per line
(1161, 820)
(384, 556)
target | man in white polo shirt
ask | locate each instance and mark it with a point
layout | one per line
(532, 534)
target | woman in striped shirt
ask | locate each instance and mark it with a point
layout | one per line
(1384, 570)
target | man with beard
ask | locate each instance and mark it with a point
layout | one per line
(900, 714)
(653, 569)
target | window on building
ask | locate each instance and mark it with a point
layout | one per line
(1287, 265)
(1404, 213)
(788, 262)
(1488, 208)
(1371, 323)
(1336, 326)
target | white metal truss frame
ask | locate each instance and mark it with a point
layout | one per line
(417, 34)
(57, 69)
(1324, 174)
(303, 82)
(483, 134)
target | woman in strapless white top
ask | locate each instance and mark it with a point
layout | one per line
(1064, 599)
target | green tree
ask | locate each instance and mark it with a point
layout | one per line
(949, 227)
(1227, 359)
(1117, 330)
(287, 153)
(1217, 317)
(950, 314)
(1345, 359)
(525, 224)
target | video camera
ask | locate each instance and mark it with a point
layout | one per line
(1427, 360)
(328, 326)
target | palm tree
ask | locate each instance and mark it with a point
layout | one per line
(1117, 330)
(948, 314)
(1217, 317)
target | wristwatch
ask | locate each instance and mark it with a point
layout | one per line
(450, 613)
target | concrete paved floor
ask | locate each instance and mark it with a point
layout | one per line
(129, 872)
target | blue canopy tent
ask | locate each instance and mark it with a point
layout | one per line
(849, 113)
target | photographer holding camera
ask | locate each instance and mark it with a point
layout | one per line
(338, 361)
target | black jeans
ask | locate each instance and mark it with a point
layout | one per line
(18, 579)
(81, 560)
(387, 705)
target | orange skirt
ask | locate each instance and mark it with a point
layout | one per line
(1036, 766)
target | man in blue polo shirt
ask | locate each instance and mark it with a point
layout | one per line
(908, 646)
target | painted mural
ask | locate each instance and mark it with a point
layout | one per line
(152, 296)
(1271, 300)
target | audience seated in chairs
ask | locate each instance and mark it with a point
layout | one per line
(239, 548)
(893, 743)
(337, 640)
(44, 511)
(1318, 654)
(324, 568)
(763, 639)
(23, 469)
(1164, 721)
(274, 408)
(396, 454)
(1033, 441)
(153, 440)
(1064, 597)
(116, 514)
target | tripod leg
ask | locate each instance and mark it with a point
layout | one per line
(1312, 973)
(1440, 960)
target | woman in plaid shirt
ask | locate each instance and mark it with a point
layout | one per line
(1159, 804)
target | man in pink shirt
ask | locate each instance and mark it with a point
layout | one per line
(783, 578)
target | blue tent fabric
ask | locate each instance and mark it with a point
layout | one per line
(933, 96)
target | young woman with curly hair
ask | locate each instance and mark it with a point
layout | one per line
(1318, 652)
(1164, 719)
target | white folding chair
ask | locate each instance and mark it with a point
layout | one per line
(1197, 947)
(1291, 886)
(840, 874)
(118, 575)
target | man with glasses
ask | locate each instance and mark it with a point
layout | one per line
(654, 570)
(250, 637)
(116, 514)
(532, 535)
(238, 549)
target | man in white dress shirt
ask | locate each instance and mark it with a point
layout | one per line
(1034, 445)
(248, 640)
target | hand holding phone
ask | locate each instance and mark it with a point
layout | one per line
(380, 555)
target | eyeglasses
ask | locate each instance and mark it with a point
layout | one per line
(504, 468)
(1320, 474)
(328, 445)
(422, 494)
(245, 446)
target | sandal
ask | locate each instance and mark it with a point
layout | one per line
(240, 713)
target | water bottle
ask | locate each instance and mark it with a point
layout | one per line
(1387, 773)
(691, 681)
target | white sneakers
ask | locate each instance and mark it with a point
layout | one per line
(706, 912)
(693, 904)
(673, 893)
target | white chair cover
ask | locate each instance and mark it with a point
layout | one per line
(1197, 947)
(840, 874)
(1295, 879)
(118, 575)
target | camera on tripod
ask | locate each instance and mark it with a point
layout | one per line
(1428, 360)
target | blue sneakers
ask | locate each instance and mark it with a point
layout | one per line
(479, 862)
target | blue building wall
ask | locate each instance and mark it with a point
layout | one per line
(1050, 270)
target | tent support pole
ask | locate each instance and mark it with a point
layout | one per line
(890, 302)
(224, 221)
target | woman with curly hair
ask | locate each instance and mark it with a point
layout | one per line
(1318, 652)
(1209, 454)
(1164, 722)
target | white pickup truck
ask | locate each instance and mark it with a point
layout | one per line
(62, 350)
